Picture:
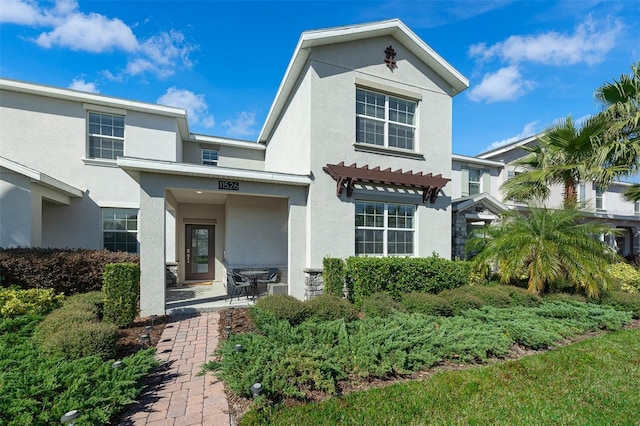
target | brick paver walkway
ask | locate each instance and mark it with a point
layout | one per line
(175, 396)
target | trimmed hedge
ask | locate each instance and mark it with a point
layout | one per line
(400, 275)
(333, 275)
(74, 331)
(67, 271)
(121, 291)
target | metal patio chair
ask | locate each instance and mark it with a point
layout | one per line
(237, 283)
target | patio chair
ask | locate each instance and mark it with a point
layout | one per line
(272, 277)
(237, 284)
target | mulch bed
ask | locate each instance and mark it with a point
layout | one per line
(242, 323)
(129, 338)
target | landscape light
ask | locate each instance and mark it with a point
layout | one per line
(116, 365)
(69, 417)
(144, 339)
(238, 348)
(256, 389)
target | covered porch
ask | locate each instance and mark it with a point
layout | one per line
(203, 221)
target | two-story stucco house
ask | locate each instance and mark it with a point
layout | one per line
(477, 199)
(353, 159)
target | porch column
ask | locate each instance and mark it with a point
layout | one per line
(151, 234)
(297, 243)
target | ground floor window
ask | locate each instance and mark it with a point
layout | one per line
(384, 229)
(120, 229)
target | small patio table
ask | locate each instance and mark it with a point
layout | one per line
(253, 275)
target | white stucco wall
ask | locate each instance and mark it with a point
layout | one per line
(15, 209)
(334, 72)
(228, 156)
(55, 143)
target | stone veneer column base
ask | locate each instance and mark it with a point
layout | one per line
(313, 283)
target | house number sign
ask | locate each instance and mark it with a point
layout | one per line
(229, 185)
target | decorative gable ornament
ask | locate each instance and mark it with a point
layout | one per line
(347, 176)
(390, 60)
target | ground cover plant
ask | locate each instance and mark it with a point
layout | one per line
(295, 361)
(591, 382)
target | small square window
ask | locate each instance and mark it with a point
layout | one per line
(209, 157)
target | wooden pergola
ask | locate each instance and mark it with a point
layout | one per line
(347, 176)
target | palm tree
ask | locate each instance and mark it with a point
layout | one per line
(546, 246)
(619, 146)
(563, 156)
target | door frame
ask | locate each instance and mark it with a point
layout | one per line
(210, 274)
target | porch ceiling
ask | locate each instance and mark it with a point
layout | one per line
(192, 196)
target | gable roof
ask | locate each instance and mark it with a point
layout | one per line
(485, 199)
(393, 27)
(509, 147)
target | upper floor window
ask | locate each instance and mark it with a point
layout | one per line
(385, 120)
(475, 176)
(106, 136)
(636, 208)
(209, 157)
(384, 229)
(120, 229)
(599, 198)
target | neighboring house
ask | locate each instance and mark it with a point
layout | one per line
(477, 199)
(353, 159)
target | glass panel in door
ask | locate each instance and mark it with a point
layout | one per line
(199, 256)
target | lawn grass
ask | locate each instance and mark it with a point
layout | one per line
(593, 382)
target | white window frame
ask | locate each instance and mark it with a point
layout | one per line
(109, 137)
(386, 121)
(599, 199)
(475, 183)
(636, 208)
(385, 228)
(122, 224)
(207, 155)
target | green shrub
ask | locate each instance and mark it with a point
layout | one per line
(37, 389)
(328, 307)
(427, 304)
(334, 276)
(521, 297)
(121, 290)
(622, 301)
(496, 296)
(626, 277)
(33, 301)
(83, 339)
(567, 297)
(284, 307)
(67, 271)
(398, 275)
(460, 300)
(380, 305)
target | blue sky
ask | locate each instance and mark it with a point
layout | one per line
(528, 62)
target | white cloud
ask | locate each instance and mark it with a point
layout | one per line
(589, 43)
(66, 26)
(506, 84)
(197, 108)
(92, 33)
(242, 125)
(23, 12)
(529, 129)
(83, 86)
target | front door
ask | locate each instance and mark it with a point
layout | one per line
(199, 256)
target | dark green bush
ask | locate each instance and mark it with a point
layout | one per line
(622, 301)
(460, 300)
(121, 292)
(67, 271)
(397, 275)
(284, 307)
(522, 297)
(334, 276)
(495, 296)
(427, 304)
(566, 297)
(83, 339)
(380, 305)
(328, 307)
